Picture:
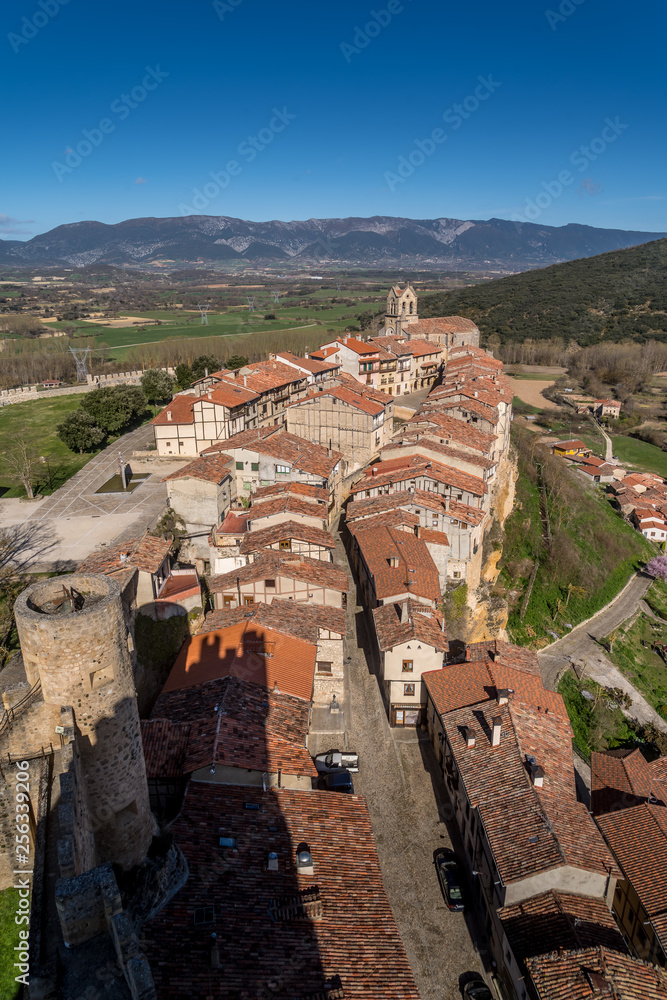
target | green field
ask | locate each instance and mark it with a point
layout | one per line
(8, 939)
(640, 455)
(37, 420)
(597, 725)
(643, 667)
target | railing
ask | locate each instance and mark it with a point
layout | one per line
(11, 713)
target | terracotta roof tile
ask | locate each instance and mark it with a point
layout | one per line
(303, 455)
(421, 623)
(355, 937)
(287, 504)
(637, 837)
(298, 489)
(273, 564)
(209, 468)
(596, 973)
(165, 745)
(263, 376)
(624, 778)
(414, 573)
(256, 540)
(146, 553)
(303, 621)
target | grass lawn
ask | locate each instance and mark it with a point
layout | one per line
(8, 939)
(640, 455)
(37, 419)
(645, 668)
(520, 408)
(597, 724)
(657, 598)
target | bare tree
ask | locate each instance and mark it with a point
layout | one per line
(22, 461)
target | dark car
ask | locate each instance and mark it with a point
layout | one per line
(339, 781)
(336, 760)
(477, 990)
(450, 874)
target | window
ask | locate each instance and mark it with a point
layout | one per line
(239, 465)
(270, 584)
(457, 575)
(408, 666)
(282, 470)
(285, 543)
(228, 600)
(249, 600)
(168, 444)
(324, 667)
(254, 466)
(408, 690)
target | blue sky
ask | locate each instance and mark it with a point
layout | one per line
(334, 111)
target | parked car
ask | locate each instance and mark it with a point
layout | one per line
(450, 874)
(336, 760)
(477, 990)
(337, 781)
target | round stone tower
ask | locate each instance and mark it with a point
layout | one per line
(74, 638)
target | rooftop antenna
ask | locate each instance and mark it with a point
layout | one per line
(251, 303)
(203, 309)
(81, 355)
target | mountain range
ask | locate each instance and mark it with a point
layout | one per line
(380, 241)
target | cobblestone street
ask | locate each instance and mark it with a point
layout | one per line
(408, 806)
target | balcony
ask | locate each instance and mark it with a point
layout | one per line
(180, 593)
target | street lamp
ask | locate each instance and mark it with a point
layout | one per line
(45, 459)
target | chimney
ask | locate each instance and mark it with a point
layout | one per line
(495, 735)
(418, 530)
(304, 860)
(469, 736)
(405, 615)
(374, 471)
(205, 372)
(168, 414)
(502, 695)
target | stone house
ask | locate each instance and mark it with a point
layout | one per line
(415, 366)
(392, 565)
(275, 576)
(344, 415)
(270, 455)
(607, 408)
(423, 474)
(315, 371)
(148, 557)
(289, 536)
(201, 493)
(504, 743)
(411, 639)
(629, 802)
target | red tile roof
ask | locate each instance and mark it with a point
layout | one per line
(444, 324)
(298, 489)
(357, 399)
(250, 652)
(351, 933)
(263, 376)
(209, 468)
(145, 553)
(286, 504)
(359, 347)
(453, 430)
(303, 455)
(420, 623)
(254, 541)
(412, 467)
(428, 443)
(303, 621)
(415, 572)
(623, 778)
(273, 564)
(165, 745)
(596, 974)
(229, 396)
(311, 365)
(179, 411)
(542, 924)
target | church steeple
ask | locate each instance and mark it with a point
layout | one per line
(401, 309)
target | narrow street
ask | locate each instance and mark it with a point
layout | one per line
(399, 776)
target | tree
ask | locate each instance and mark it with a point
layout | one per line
(114, 407)
(158, 385)
(658, 568)
(80, 432)
(22, 460)
(205, 362)
(184, 376)
(236, 361)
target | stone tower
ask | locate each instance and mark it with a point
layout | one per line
(78, 647)
(401, 310)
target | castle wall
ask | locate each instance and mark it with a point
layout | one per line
(83, 660)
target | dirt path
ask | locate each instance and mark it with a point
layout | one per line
(530, 391)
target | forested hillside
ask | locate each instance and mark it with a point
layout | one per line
(616, 296)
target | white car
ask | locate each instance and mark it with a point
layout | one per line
(336, 760)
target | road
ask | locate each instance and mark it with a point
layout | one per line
(410, 813)
(58, 532)
(580, 645)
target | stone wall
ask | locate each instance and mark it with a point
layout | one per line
(325, 686)
(83, 660)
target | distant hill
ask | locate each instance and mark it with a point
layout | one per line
(616, 296)
(381, 241)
